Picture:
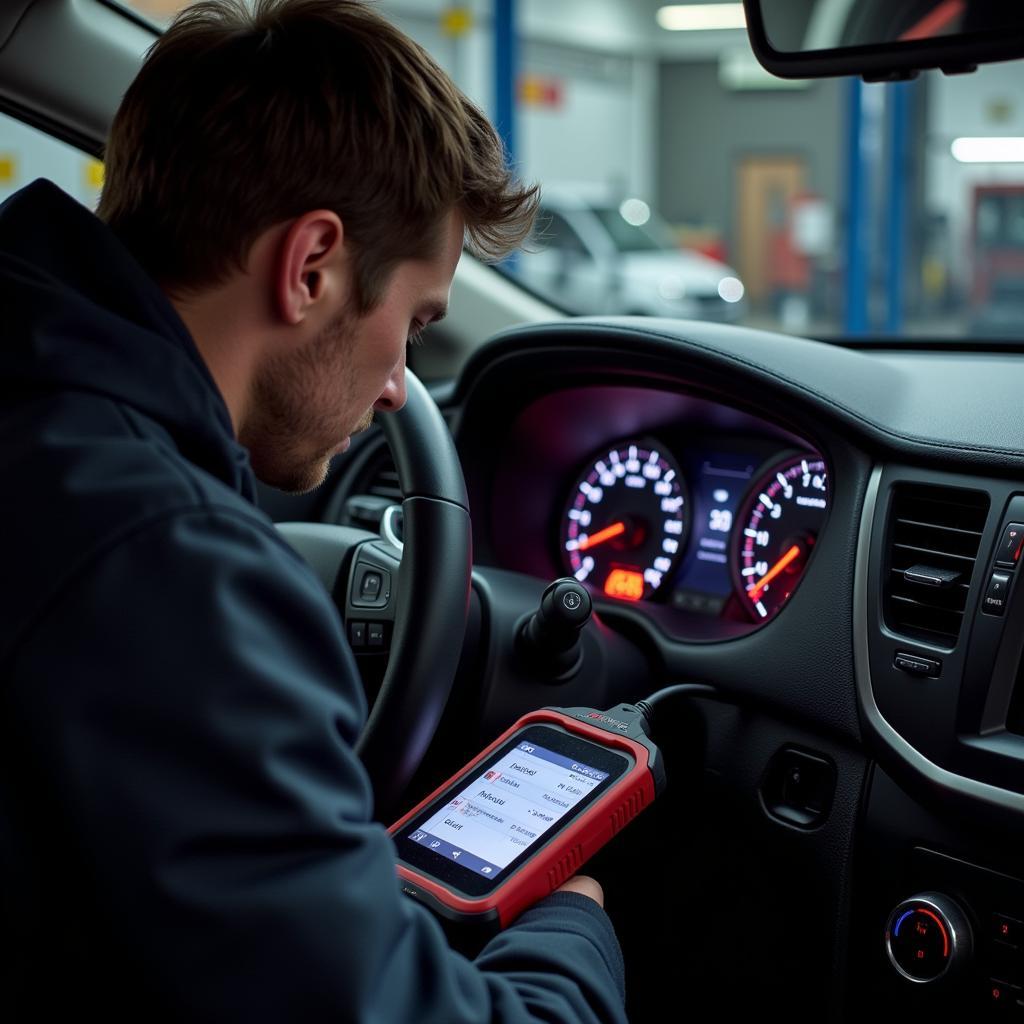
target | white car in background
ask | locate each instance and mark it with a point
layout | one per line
(604, 257)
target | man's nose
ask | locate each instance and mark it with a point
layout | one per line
(392, 398)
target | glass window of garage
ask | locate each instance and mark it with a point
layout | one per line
(27, 153)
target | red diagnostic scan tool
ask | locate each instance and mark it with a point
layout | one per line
(527, 813)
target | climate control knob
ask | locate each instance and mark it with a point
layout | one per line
(928, 937)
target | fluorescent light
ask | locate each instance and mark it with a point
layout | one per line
(989, 150)
(693, 17)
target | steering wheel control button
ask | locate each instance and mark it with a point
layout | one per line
(916, 665)
(357, 634)
(994, 602)
(371, 586)
(375, 634)
(1010, 546)
(925, 936)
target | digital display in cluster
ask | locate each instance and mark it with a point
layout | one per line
(718, 483)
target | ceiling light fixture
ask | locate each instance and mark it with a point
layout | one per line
(989, 150)
(697, 17)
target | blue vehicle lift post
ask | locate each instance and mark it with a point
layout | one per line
(899, 98)
(855, 316)
(505, 67)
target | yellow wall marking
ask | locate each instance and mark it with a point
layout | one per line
(94, 173)
(456, 21)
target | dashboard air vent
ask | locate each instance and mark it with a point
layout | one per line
(934, 535)
(381, 479)
(375, 487)
(374, 484)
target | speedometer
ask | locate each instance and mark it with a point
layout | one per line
(626, 521)
(778, 527)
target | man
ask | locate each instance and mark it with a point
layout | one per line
(186, 830)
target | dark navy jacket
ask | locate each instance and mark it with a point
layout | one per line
(184, 828)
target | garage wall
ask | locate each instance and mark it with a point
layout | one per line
(595, 93)
(702, 140)
(597, 80)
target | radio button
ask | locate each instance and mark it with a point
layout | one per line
(1009, 551)
(994, 602)
(1001, 995)
(1006, 929)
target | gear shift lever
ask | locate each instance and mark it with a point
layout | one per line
(549, 639)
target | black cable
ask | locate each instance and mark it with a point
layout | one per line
(649, 705)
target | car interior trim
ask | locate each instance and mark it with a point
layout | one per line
(947, 781)
(897, 405)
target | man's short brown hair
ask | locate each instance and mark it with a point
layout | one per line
(241, 119)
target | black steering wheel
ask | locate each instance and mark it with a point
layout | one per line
(431, 600)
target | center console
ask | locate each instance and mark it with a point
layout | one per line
(939, 634)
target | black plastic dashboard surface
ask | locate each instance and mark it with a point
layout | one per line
(958, 407)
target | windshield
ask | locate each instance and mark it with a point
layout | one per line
(828, 208)
(633, 228)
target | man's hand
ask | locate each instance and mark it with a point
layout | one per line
(586, 886)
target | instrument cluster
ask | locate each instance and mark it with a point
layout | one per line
(704, 530)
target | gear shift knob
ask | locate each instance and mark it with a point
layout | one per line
(550, 637)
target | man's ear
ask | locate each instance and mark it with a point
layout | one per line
(309, 264)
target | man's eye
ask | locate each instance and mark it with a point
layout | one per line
(415, 335)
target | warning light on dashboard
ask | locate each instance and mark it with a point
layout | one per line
(625, 584)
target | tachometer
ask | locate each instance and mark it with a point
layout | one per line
(626, 523)
(777, 528)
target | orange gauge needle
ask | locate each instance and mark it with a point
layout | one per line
(779, 566)
(602, 535)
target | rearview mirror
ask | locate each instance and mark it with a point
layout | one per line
(882, 39)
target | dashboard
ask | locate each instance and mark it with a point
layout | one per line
(863, 767)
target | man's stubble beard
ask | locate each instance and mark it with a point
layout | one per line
(291, 430)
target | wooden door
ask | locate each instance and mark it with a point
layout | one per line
(766, 187)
